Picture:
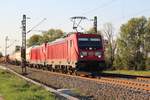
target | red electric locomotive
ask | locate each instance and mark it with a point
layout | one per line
(77, 51)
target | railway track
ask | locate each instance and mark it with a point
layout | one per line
(143, 79)
(136, 82)
(132, 77)
(120, 78)
(128, 83)
(140, 84)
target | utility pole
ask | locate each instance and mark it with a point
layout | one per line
(23, 48)
(6, 39)
(95, 24)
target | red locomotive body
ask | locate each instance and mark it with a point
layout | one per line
(75, 52)
(38, 55)
(91, 51)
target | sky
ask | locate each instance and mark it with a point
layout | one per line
(58, 13)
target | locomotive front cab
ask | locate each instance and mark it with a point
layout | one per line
(91, 53)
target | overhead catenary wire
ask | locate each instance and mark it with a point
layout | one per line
(134, 14)
(106, 4)
(116, 19)
(11, 43)
(36, 25)
(99, 7)
(92, 10)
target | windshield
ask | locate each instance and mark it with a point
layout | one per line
(94, 43)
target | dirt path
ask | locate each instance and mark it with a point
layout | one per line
(1, 98)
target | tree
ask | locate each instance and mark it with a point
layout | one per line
(1, 55)
(131, 45)
(17, 48)
(110, 48)
(92, 31)
(147, 44)
(34, 40)
(51, 35)
(45, 38)
(48, 36)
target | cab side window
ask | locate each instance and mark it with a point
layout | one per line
(71, 43)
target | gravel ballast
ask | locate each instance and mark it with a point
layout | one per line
(99, 90)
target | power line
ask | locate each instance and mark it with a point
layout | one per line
(36, 25)
(100, 7)
(122, 9)
(137, 13)
(12, 43)
(145, 10)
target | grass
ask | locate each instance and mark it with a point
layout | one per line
(15, 88)
(130, 72)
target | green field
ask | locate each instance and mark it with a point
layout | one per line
(15, 88)
(130, 72)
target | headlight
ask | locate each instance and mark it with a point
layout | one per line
(99, 56)
(97, 53)
(81, 56)
(83, 53)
